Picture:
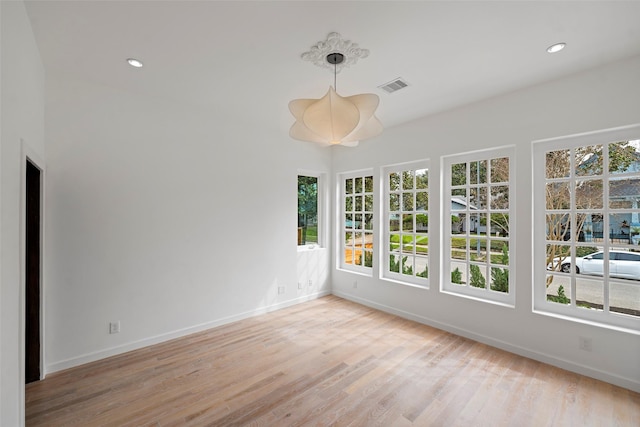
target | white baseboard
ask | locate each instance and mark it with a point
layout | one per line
(503, 345)
(112, 351)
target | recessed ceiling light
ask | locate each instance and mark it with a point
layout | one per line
(556, 47)
(135, 63)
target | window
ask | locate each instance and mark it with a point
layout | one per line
(308, 210)
(587, 226)
(406, 219)
(478, 203)
(356, 238)
(624, 256)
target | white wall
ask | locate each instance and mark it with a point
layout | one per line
(602, 98)
(168, 218)
(172, 219)
(22, 97)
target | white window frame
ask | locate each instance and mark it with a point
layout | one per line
(321, 211)
(483, 294)
(385, 272)
(603, 318)
(340, 224)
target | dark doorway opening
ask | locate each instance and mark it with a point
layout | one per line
(32, 273)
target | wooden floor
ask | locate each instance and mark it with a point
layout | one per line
(325, 362)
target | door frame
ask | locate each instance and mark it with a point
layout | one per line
(29, 154)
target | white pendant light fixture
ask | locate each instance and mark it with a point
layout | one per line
(334, 119)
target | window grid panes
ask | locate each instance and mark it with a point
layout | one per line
(307, 210)
(357, 222)
(478, 200)
(591, 224)
(406, 214)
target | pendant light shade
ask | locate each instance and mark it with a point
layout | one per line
(334, 119)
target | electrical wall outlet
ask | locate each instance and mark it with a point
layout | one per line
(310, 282)
(300, 285)
(114, 327)
(585, 343)
(280, 290)
(355, 284)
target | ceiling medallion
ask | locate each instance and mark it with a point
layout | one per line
(335, 44)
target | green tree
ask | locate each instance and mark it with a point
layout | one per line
(368, 259)
(500, 276)
(394, 265)
(456, 223)
(307, 203)
(422, 220)
(394, 181)
(424, 273)
(407, 180)
(459, 174)
(477, 279)
(479, 171)
(456, 276)
(406, 269)
(561, 298)
(588, 193)
(482, 172)
(422, 178)
(621, 155)
(499, 221)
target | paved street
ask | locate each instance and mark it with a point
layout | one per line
(623, 293)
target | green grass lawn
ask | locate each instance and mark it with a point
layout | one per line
(421, 243)
(460, 242)
(422, 247)
(495, 258)
(312, 234)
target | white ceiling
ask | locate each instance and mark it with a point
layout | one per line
(244, 57)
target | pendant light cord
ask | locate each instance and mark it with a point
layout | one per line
(335, 59)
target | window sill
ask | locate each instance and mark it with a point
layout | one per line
(477, 298)
(400, 282)
(359, 273)
(623, 329)
(308, 248)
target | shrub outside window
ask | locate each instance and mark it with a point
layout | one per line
(406, 223)
(587, 217)
(478, 247)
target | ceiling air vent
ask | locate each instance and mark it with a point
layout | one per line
(394, 85)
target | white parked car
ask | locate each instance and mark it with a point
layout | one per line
(621, 264)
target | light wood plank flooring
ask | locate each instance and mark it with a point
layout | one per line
(328, 362)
